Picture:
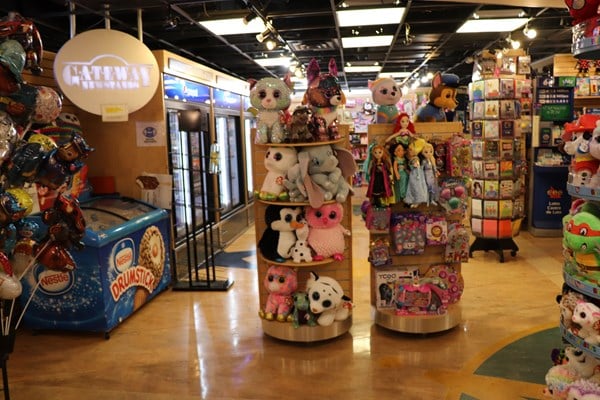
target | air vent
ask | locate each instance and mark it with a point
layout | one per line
(312, 46)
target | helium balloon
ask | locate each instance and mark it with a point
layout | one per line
(48, 105)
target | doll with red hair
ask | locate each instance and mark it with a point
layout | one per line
(404, 131)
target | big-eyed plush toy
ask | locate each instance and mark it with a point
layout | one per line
(584, 389)
(278, 160)
(587, 316)
(326, 234)
(327, 299)
(321, 175)
(578, 138)
(323, 96)
(301, 252)
(280, 282)
(270, 97)
(386, 94)
(581, 235)
(441, 97)
(302, 315)
(298, 131)
(280, 235)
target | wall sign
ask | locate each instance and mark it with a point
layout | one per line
(102, 67)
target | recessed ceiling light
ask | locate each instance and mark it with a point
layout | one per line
(363, 68)
(370, 16)
(367, 41)
(234, 26)
(492, 25)
(274, 61)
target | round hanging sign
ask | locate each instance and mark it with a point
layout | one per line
(101, 68)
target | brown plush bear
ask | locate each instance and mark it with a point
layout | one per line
(298, 128)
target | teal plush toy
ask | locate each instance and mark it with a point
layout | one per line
(302, 313)
(582, 235)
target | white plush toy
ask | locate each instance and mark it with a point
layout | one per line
(327, 299)
(270, 97)
(278, 160)
(580, 362)
(386, 94)
(587, 315)
(301, 252)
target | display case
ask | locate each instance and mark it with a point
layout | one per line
(338, 267)
(416, 252)
(123, 265)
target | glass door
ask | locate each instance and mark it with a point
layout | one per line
(227, 129)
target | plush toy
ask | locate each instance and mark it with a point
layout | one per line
(280, 282)
(581, 236)
(595, 152)
(270, 97)
(298, 128)
(327, 299)
(279, 237)
(323, 96)
(580, 363)
(301, 252)
(302, 315)
(326, 234)
(558, 381)
(404, 131)
(577, 139)
(587, 316)
(583, 389)
(442, 96)
(321, 175)
(386, 94)
(566, 304)
(278, 160)
(581, 10)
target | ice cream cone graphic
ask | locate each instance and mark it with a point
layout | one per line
(152, 257)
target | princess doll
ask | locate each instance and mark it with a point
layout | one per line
(404, 131)
(379, 170)
(416, 192)
(400, 172)
(431, 173)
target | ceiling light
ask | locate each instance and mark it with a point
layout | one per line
(234, 26)
(529, 32)
(515, 44)
(363, 68)
(271, 44)
(399, 74)
(367, 41)
(370, 16)
(261, 36)
(274, 61)
(492, 25)
(246, 20)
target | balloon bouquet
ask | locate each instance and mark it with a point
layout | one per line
(28, 156)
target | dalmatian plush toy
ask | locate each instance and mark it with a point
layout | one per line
(301, 252)
(327, 299)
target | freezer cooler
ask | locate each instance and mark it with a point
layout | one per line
(124, 264)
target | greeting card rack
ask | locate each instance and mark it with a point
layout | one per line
(339, 270)
(390, 282)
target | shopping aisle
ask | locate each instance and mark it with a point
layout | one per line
(191, 345)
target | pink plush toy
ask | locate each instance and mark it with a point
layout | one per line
(281, 282)
(326, 234)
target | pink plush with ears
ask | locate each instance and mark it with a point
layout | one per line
(280, 282)
(326, 234)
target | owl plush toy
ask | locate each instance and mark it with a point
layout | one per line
(326, 234)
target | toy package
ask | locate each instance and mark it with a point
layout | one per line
(379, 253)
(408, 231)
(436, 230)
(459, 156)
(457, 248)
(378, 218)
(453, 195)
(388, 279)
(446, 276)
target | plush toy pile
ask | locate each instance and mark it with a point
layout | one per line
(321, 302)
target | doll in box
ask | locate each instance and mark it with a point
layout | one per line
(416, 192)
(379, 169)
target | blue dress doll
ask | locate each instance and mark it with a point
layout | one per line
(400, 173)
(416, 192)
(431, 173)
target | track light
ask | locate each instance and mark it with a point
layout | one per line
(246, 20)
(263, 35)
(271, 44)
(529, 32)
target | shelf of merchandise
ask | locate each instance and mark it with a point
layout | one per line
(340, 270)
(499, 156)
(433, 255)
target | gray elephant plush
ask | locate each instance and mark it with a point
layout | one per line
(320, 175)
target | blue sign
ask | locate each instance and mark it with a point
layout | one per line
(226, 99)
(185, 90)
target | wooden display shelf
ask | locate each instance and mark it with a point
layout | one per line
(290, 203)
(342, 139)
(425, 130)
(304, 333)
(289, 263)
(419, 323)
